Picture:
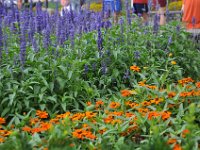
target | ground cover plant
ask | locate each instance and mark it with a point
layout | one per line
(76, 64)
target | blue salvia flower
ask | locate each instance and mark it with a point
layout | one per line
(170, 40)
(128, 17)
(126, 74)
(178, 28)
(72, 38)
(22, 54)
(193, 21)
(104, 68)
(1, 40)
(94, 66)
(121, 22)
(86, 69)
(46, 37)
(156, 24)
(34, 45)
(137, 54)
(5, 43)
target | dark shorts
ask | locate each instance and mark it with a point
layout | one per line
(140, 8)
(162, 3)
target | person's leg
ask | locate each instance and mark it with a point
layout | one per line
(162, 11)
(141, 9)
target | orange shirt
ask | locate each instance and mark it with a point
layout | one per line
(140, 1)
(191, 14)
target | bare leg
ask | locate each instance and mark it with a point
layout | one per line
(162, 16)
(145, 17)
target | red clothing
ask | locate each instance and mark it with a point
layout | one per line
(191, 14)
(162, 3)
(140, 1)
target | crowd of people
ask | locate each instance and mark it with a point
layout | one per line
(190, 9)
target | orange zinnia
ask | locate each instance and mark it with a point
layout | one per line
(26, 129)
(114, 105)
(171, 141)
(171, 94)
(177, 147)
(142, 83)
(198, 84)
(166, 115)
(2, 121)
(2, 140)
(126, 93)
(42, 114)
(185, 132)
(90, 114)
(88, 103)
(135, 68)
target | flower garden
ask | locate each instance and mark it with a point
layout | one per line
(78, 81)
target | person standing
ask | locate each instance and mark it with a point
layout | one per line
(113, 6)
(162, 11)
(191, 14)
(141, 8)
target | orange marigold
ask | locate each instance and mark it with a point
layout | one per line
(166, 115)
(114, 105)
(198, 84)
(2, 121)
(126, 93)
(26, 129)
(88, 103)
(135, 68)
(42, 114)
(177, 147)
(1, 140)
(171, 94)
(171, 141)
(99, 103)
(89, 114)
(185, 132)
(142, 83)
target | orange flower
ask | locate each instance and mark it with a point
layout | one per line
(171, 141)
(5, 133)
(177, 147)
(142, 83)
(171, 94)
(185, 132)
(1, 140)
(153, 87)
(114, 105)
(2, 121)
(42, 114)
(77, 116)
(81, 134)
(45, 148)
(198, 84)
(90, 114)
(61, 116)
(109, 119)
(126, 93)
(129, 114)
(153, 114)
(35, 130)
(135, 68)
(45, 126)
(116, 121)
(88, 103)
(26, 129)
(166, 115)
(99, 102)
(102, 131)
(146, 103)
(34, 121)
